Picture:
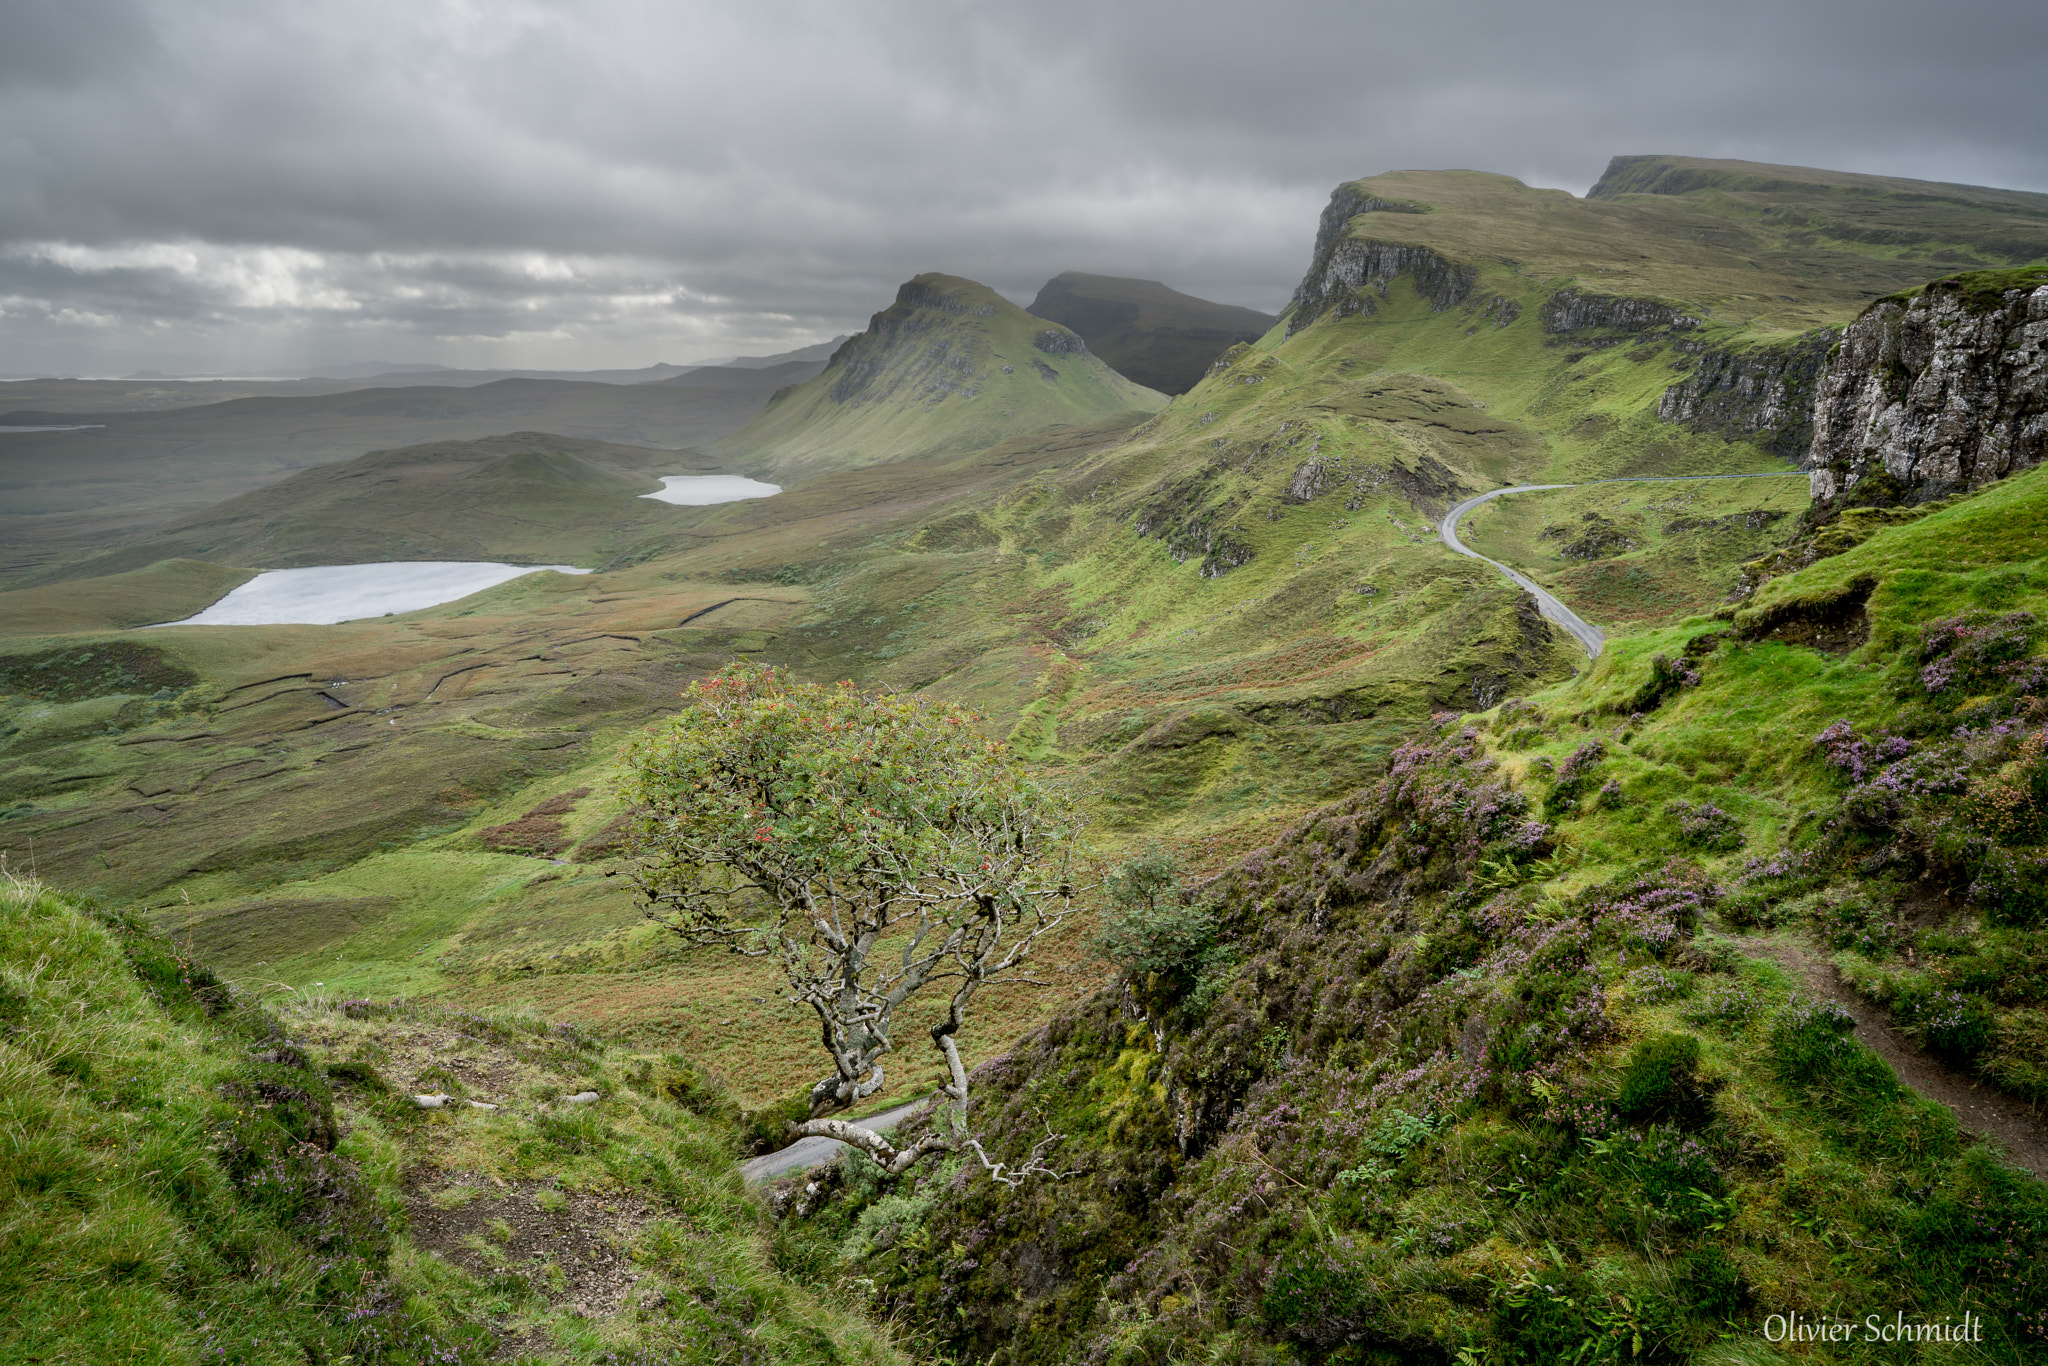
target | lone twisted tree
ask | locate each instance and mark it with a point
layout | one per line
(877, 846)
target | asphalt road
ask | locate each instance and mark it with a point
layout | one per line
(1588, 635)
(806, 1153)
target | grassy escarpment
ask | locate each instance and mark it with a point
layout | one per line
(193, 1179)
(1472, 1062)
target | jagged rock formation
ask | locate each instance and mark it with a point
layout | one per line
(1938, 392)
(1155, 336)
(1344, 267)
(1764, 394)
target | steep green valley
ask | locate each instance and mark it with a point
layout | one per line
(1497, 1003)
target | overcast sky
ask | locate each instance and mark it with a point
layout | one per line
(618, 182)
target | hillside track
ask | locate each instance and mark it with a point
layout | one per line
(2013, 1125)
(1589, 636)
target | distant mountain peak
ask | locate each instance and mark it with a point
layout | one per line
(949, 366)
(1147, 332)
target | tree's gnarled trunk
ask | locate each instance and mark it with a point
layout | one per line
(879, 848)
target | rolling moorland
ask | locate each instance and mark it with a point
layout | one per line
(1508, 1009)
(70, 492)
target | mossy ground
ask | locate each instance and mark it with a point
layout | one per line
(192, 1179)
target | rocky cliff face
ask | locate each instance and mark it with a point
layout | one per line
(1572, 310)
(1343, 266)
(1763, 395)
(1939, 392)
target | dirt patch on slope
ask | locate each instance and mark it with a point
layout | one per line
(2013, 1125)
(568, 1246)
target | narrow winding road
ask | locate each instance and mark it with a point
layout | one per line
(1587, 634)
(806, 1153)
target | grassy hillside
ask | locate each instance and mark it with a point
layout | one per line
(1152, 335)
(1624, 554)
(1531, 1050)
(525, 498)
(1213, 619)
(66, 495)
(192, 1179)
(950, 367)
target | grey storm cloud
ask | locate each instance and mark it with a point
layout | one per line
(613, 182)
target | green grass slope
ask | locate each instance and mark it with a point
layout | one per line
(1152, 335)
(190, 1179)
(950, 367)
(529, 497)
(1974, 223)
(1213, 619)
(1531, 1049)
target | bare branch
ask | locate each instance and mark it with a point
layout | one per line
(886, 1155)
(1033, 1165)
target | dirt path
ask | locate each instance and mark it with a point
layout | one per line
(2013, 1125)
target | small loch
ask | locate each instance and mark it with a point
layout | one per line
(322, 595)
(702, 490)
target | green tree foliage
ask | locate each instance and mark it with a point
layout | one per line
(1147, 930)
(876, 846)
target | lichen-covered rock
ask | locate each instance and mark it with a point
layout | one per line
(1940, 392)
(1764, 394)
(1572, 310)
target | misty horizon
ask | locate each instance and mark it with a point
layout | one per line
(234, 189)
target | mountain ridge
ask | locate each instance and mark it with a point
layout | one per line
(1150, 334)
(949, 366)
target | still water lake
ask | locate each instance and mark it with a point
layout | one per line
(702, 490)
(325, 594)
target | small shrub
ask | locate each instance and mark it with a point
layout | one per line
(1853, 922)
(1661, 1078)
(1147, 932)
(1950, 1024)
(1706, 826)
(1810, 1037)
(1574, 776)
(1321, 1293)
(1728, 1006)
(1963, 653)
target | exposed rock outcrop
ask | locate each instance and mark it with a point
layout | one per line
(1058, 341)
(1572, 310)
(1344, 267)
(1764, 394)
(1939, 392)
